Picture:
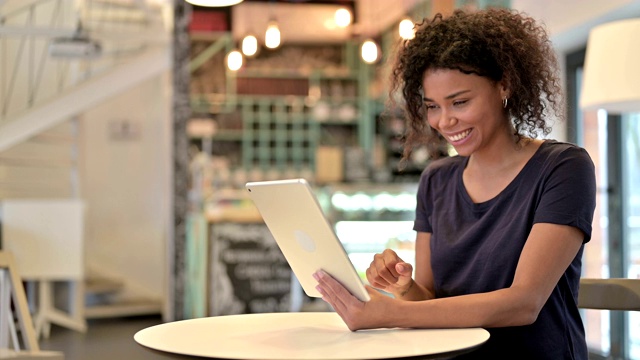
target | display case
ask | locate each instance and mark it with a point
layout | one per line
(369, 218)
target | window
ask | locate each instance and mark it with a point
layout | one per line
(631, 226)
(614, 251)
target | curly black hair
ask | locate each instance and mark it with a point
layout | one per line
(499, 44)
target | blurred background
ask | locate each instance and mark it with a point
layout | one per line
(136, 124)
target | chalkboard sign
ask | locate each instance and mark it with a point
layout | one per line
(248, 273)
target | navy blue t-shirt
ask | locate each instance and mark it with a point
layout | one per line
(475, 247)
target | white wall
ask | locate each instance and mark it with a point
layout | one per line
(569, 22)
(126, 184)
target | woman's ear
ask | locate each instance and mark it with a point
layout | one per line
(504, 90)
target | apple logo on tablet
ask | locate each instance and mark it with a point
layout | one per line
(305, 241)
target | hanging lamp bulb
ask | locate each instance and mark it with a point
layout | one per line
(214, 3)
(406, 29)
(249, 45)
(272, 35)
(342, 17)
(234, 60)
(369, 51)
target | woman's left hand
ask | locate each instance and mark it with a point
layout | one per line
(357, 314)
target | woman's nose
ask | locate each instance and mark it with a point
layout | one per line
(446, 119)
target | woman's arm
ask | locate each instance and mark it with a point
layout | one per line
(547, 253)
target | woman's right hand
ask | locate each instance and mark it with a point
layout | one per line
(390, 273)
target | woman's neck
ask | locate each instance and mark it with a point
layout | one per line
(505, 152)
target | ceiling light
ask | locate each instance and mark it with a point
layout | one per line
(214, 3)
(406, 29)
(369, 51)
(342, 17)
(75, 47)
(234, 60)
(249, 45)
(272, 35)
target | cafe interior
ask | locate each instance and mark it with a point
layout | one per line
(128, 129)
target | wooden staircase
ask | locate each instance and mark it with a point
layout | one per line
(41, 116)
(104, 299)
(44, 167)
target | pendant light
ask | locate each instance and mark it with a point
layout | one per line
(234, 60)
(342, 17)
(369, 51)
(214, 3)
(272, 35)
(249, 45)
(405, 28)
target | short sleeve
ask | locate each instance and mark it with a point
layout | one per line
(421, 223)
(569, 191)
(436, 182)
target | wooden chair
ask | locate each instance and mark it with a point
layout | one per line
(12, 293)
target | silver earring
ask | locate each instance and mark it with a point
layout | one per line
(505, 101)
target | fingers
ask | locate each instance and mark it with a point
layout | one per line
(404, 269)
(343, 302)
(383, 271)
(333, 292)
(328, 286)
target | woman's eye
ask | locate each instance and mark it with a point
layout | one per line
(459, 102)
(431, 106)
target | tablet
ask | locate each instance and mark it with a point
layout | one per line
(292, 213)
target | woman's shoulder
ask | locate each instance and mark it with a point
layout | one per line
(555, 154)
(551, 146)
(442, 173)
(558, 150)
(444, 167)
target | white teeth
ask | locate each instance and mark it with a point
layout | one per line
(459, 136)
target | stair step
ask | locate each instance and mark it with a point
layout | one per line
(131, 307)
(100, 285)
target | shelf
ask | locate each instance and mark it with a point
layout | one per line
(338, 122)
(337, 74)
(283, 105)
(228, 135)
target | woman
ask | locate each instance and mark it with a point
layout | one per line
(500, 227)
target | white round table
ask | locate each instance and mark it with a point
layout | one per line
(301, 336)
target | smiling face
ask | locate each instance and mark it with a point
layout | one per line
(466, 109)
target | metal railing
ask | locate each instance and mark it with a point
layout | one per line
(50, 46)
